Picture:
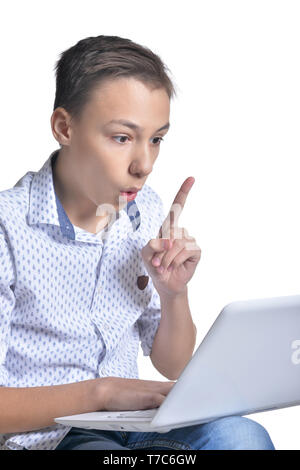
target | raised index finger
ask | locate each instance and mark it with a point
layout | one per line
(171, 220)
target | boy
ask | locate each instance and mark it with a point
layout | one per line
(80, 285)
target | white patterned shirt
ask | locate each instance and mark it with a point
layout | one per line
(71, 308)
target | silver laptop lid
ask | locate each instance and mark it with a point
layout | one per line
(249, 361)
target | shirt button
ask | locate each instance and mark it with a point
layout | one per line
(99, 288)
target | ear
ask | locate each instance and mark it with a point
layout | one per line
(60, 125)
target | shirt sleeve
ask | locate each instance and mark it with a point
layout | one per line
(149, 321)
(7, 301)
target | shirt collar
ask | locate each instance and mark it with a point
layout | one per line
(46, 208)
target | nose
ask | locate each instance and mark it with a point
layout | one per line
(142, 162)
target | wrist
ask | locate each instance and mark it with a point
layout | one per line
(174, 297)
(98, 393)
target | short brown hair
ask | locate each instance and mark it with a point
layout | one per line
(95, 59)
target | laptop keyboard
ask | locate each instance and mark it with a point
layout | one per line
(137, 414)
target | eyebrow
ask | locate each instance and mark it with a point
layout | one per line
(134, 126)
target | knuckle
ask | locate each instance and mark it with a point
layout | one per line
(179, 242)
(154, 400)
(191, 244)
(152, 244)
(181, 233)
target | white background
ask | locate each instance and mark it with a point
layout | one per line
(234, 127)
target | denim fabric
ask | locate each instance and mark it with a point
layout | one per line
(230, 433)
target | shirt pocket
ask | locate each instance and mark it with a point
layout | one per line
(127, 292)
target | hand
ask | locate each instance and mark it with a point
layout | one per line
(132, 394)
(172, 257)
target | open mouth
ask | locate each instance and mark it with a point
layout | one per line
(129, 195)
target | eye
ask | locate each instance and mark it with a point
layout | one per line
(160, 139)
(121, 137)
(125, 137)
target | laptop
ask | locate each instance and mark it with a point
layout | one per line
(248, 362)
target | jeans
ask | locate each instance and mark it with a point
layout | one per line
(228, 433)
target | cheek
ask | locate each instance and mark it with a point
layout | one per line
(102, 159)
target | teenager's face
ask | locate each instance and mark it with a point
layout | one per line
(112, 157)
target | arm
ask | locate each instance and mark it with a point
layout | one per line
(27, 409)
(174, 342)
(171, 259)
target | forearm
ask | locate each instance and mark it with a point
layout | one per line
(27, 409)
(174, 342)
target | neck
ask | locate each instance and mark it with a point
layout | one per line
(79, 208)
